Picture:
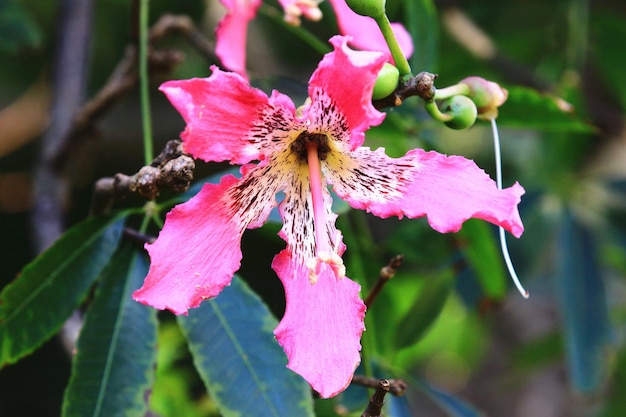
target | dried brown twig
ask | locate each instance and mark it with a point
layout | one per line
(397, 387)
(172, 169)
(383, 386)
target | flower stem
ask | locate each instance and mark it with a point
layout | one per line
(394, 47)
(503, 245)
(144, 81)
(453, 90)
(435, 113)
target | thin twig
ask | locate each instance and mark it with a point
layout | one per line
(397, 387)
(385, 274)
(137, 236)
(183, 25)
(375, 406)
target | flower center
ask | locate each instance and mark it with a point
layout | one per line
(299, 145)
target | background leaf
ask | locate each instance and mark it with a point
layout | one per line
(583, 305)
(482, 253)
(242, 365)
(35, 305)
(453, 406)
(17, 28)
(529, 109)
(424, 29)
(425, 310)
(114, 366)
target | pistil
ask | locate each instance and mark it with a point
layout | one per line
(324, 253)
(319, 212)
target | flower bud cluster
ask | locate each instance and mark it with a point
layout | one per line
(463, 112)
(386, 82)
(474, 98)
(487, 96)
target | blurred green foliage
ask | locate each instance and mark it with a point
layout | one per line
(449, 322)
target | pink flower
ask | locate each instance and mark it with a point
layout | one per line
(299, 151)
(365, 32)
(232, 30)
(232, 33)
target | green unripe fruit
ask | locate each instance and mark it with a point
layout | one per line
(463, 112)
(386, 82)
(371, 8)
(487, 96)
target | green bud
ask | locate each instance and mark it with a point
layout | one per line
(463, 112)
(487, 96)
(371, 8)
(386, 82)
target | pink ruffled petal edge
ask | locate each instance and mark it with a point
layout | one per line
(196, 254)
(232, 32)
(199, 247)
(446, 189)
(227, 119)
(322, 326)
(365, 33)
(342, 84)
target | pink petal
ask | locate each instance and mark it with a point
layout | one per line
(449, 190)
(231, 33)
(366, 34)
(198, 250)
(341, 90)
(227, 119)
(322, 326)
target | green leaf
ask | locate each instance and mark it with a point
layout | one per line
(17, 28)
(114, 366)
(453, 406)
(175, 391)
(614, 404)
(482, 253)
(242, 365)
(423, 25)
(529, 109)
(583, 305)
(608, 31)
(426, 309)
(37, 303)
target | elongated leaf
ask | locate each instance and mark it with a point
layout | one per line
(453, 406)
(607, 33)
(17, 27)
(481, 252)
(242, 365)
(114, 366)
(424, 28)
(35, 305)
(529, 109)
(398, 406)
(614, 404)
(583, 305)
(425, 311)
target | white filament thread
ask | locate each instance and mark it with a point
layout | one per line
(503, 245)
